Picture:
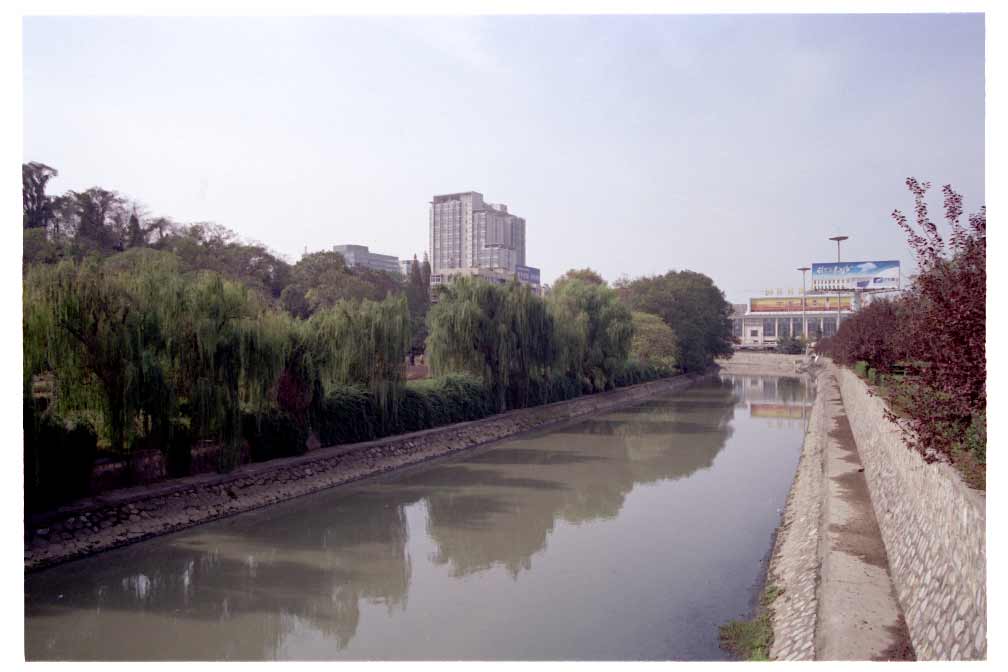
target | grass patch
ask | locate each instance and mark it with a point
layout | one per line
(973, 472)
(751, 639)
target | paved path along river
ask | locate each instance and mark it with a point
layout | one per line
(630, 535)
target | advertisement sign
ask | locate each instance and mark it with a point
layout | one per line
(793, 304)
(862, 275)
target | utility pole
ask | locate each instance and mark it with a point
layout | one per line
(838, 240)
(804, 323)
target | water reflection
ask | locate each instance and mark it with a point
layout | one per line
(786, 399)
(296, 580)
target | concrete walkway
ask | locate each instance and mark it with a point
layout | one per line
(858, 615)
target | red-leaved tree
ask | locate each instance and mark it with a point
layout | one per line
(946, 327)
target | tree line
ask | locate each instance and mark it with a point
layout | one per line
(140, 332)
(927, 348)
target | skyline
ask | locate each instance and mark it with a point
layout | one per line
(587, 127)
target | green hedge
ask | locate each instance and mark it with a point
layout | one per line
(274, 434)
(58, 460)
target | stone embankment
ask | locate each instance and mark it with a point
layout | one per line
(879, 555)
(763, 364)
(128, 515)
(934, 528)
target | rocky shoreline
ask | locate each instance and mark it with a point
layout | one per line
(129, 515)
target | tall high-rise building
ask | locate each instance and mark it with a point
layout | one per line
(467, 232)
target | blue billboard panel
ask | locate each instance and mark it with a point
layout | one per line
(867, 275)
(527, 274)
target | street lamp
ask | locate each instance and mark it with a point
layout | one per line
(804, 324)
(838, 239)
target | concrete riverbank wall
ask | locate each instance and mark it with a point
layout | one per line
(128, 515)
(933, 526)
(763, 363)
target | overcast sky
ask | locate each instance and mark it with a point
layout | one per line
(730, 145)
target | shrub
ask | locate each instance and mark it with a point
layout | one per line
(273, 434)
(347, 415)
(861, 369)
(58, 460)
(178, 451)
(790, 345)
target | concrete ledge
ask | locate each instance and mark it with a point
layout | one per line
(129, 515)
(794, 563)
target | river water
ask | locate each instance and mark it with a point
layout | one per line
(630, 535)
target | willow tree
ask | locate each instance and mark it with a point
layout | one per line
(363, 343)
(502, 334)
(126, 341)
(593, 332)
(102, 335)
(231, 350)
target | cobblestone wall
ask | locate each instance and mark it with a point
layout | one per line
(765, 363)
(794, 564)
(933, 526)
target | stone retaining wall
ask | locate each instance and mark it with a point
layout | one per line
(794, 563)
(132, 514)
(933, 527)
(765, 363)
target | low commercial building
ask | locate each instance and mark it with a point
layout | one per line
(359, 256)
(763, 321)
(526, 275)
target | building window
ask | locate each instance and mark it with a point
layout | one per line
(769, 328)
(753, 333)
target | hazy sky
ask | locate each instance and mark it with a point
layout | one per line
(730, 145)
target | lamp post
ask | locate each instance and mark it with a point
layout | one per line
(804, 324)
(838, 240)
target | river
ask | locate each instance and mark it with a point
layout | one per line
(630, 535)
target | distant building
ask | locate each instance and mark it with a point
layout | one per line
(359, 256)
(406, 267)
(469, 237)
(763, 321)
(527, 276)
(466, 232)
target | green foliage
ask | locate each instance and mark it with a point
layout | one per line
(861, 368)
(131, 339)
(274, 434)
(751, 639)
(654, 341)
(635, 372)
(58, 460)
(790, 345)
(975, 439)
(593, 332)
(501, 334)
(693, 306)
(363, 343)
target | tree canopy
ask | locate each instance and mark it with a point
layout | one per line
(693, 306)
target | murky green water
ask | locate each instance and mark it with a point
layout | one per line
(631, 535)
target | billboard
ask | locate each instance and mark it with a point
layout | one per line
(793, 304)
(859, 275)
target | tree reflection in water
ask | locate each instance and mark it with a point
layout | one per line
(240, 588)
